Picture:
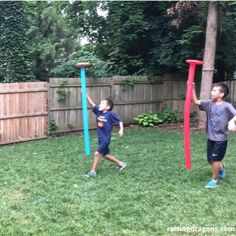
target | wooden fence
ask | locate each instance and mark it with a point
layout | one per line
(23, 111)
(131, 96)
(25, 107)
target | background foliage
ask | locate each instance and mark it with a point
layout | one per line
(15, 47)
(43, 39)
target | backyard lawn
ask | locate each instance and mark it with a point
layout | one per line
(44, 190)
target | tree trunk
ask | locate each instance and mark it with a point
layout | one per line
(209, 58)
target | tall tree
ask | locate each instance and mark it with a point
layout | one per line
(144, 38)
(133, 38)
(153, 37)
(52, 36)
(15, 61)
(209, 56)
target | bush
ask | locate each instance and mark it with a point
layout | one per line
(148, 119)
(171, 116)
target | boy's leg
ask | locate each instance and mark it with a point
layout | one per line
(113, 159)
(221, 174)
(215, 165)
(222, 166)
(96, 161)
(120, 165)
(102, 148)
(216, 152)
(215, 170)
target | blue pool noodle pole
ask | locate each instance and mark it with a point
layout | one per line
(84, 105)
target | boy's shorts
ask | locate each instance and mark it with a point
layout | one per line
(103, 147)
(216, 150)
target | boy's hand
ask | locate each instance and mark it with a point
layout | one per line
(232, 125)
(121, 132)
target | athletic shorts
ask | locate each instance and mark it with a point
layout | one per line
(216, 150)
(103, 147)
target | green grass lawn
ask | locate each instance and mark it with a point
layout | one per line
(44, 190)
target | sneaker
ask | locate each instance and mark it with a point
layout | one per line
(121, 166)
(91, 174)
(211, 184)
(221, 174)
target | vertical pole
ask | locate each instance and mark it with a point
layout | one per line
(187, 108)
(85, 110)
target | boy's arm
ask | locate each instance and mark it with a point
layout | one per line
(121, 131)
(232, 124)
(194, 96)
(90, 101)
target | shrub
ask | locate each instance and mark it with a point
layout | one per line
(148, 119)
(171, 116)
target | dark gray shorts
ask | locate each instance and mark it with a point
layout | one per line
(216, 150)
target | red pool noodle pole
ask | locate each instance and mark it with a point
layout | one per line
(187, 107)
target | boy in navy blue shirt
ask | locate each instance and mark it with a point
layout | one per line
(105, 119)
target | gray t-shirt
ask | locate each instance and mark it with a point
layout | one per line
(218, 117)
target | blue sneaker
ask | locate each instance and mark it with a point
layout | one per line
(91, 174)
(121, 166)
(211, 184)
(221, 174)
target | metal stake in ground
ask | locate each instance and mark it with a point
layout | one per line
(82, 67)
(187, 107)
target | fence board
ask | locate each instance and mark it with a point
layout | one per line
(23, 111)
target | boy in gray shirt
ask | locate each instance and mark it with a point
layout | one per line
(220, 116)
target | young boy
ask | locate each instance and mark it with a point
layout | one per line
(218, 114)
(105, 119)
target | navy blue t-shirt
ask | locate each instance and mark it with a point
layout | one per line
(105, 122)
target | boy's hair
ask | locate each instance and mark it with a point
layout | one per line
(223, 89)
(109, 103)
